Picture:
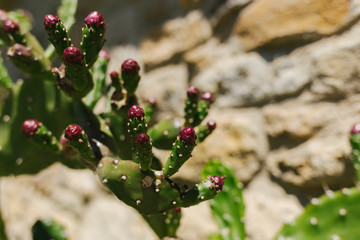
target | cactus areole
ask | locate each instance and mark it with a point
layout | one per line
(50, 21)
(73, 55)
(95, 19)
(135, 112)
(73, 132)
(188, 135)
(30, 127)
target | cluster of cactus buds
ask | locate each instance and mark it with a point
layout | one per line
(116, 144)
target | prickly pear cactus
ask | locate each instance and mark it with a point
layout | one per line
(335, 216)
(228, 207)
(116, 144)
(45, 229)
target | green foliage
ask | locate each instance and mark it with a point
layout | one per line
(46, 229)
(228, 207)
(2, 229)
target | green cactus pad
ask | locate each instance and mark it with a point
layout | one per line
(149, 192)
(180, 153)
(228, 207)
(46, 229)
(142, 152)
(355, 144)
(336, 216)
(99, 78)
(93, 37)
(5, 80)
(164, 133)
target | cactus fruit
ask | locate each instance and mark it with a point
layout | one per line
(46, 229)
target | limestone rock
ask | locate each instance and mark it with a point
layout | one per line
(268, 208)
(168, 85)
(242, 80)
(175, 37)
(239, 140)
(310, 143)
(287, 22)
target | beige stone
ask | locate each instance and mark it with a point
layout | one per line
(175, 37)
(239, 140)
(283, 21)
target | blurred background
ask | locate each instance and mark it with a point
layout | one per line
(286, 76)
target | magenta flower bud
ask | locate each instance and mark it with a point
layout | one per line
(207, 96)
(73, 55)
(95, 19)
(218, 182)
(104, 54)
(130, 68)
(152, 101)
(192, 91)
(29, 127)
(10, 27)
(142, 139)
(211, 125)
(73, 132)
(135, 112)
(114, 75)
(355, 129)
(188, 135)
(50, 21)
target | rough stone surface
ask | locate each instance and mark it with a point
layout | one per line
(286, 22)
(239, 140)
(174, 38)
(268, 207)
(311, 147)
(168, 85)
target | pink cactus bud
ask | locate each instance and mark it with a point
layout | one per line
(73, 132)
(130, 68)
(355, 129)
(207, 96)
(73, 55)
(95, 19)
(218, 182)
(192, 91)
(114, 75)
(50, 21)
(30, 127)
(211, 125)
(10, 27)
(188, 135)
(135, 112)
(152, 101)
(19, 50)
(104, 54)
(142, 139)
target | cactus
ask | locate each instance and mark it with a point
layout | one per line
(116, 144)
(2, 229)
(45, 229)
(228, 207)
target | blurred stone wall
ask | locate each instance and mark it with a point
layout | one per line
(286, 78)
